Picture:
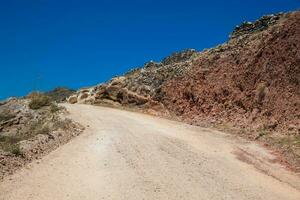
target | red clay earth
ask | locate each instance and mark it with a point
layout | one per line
(250, 81)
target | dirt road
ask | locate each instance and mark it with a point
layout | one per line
(125, 155)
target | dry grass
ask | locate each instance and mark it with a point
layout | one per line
(10, 144)
(38, 100)
(60, 94)
(6, 115)
(55, 108)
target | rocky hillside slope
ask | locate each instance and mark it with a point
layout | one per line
(30, 127)
(250, 84)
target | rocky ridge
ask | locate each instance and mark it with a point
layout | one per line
(140, 86)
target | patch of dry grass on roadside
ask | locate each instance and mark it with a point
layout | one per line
(10, 144)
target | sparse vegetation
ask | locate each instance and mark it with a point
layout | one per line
(291, 142)
(54, 108)
(44, 130)
(27, 130)
(16, 150)
(60, 94)
(38, 127)
(38, 100)
(9, 144)
(6, 115)
(262, 132)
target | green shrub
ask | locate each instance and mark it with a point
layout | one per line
(60, 94)
(38, 100)
(16, 150)
(55, 108)
(9, 144)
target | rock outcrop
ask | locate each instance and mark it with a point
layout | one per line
(259, 25)
(140, 86)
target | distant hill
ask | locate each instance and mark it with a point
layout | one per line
(60, 94)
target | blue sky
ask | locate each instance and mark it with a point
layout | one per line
(50, 43)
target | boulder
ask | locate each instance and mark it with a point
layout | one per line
(113, 92)
(83, 96)
(89, 100)
(72, 99)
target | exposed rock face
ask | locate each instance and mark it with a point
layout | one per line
(15, 112)
(248, 81)
(259, 25)
(179, 57)
(85, 96)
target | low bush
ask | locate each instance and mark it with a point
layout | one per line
(60, 94)
(16, 150)
(55, 108)
(43, 131)
(38, 100)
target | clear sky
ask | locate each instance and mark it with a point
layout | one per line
(50, 43)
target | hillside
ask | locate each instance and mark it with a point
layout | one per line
(60, 94)
(31, 127)
(249, 85)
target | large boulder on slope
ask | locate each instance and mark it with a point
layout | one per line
(72, 99)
